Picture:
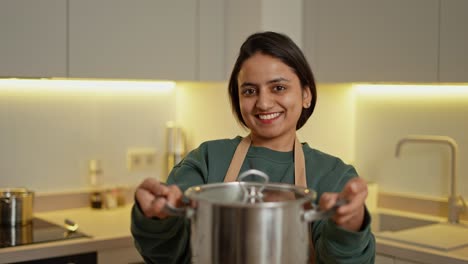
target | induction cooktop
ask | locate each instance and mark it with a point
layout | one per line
(38, 231)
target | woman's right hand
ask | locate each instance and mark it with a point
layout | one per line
(153, 195)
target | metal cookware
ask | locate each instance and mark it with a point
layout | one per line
(250, 222)
(16, 206)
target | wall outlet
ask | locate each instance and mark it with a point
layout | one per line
(141, 159)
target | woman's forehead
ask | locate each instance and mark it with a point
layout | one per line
(261, 68)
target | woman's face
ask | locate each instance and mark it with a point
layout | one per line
(271, 99)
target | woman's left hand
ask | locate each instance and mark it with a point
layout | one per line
(350, 215)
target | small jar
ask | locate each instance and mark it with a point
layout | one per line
(96, 200)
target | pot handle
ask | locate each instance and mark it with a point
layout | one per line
(6, 200)
(176, 211)
(315, 214)
(253, 192)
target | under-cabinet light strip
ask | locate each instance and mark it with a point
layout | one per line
(124, 86)
(416, 90)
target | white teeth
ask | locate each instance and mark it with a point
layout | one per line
(269, 116)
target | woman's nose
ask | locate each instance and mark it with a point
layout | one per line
(264, 101)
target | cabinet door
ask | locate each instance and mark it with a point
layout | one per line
(148, 39)
(368, 40)
(384, 259)
(212, 62)
(404, 261)
(120, 256)
(454, 41)
(33, 38)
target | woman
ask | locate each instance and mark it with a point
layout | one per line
(272, 93)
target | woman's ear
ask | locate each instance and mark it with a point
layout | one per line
(306, 97)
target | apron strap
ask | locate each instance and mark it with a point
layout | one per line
(299, 165)
(241, 153)
(238, 159)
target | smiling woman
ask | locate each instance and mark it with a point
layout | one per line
(272, 93)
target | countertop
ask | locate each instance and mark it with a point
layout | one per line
(110, 231)
(419, 254)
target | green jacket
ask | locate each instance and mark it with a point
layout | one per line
(168, 240)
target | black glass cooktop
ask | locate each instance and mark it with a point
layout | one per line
(39, 231)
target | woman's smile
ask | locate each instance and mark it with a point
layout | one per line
(268, 118)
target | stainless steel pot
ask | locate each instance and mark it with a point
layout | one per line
(250, 222)
(16, 206)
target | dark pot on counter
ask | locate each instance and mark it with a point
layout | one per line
(16, 206)
(249, 222)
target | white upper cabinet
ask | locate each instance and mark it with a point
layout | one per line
(33, 38)
(245, 17)
(211, 41)
(454, 41)
(368, 40)
(144, 39)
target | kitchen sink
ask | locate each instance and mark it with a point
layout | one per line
(384, 222)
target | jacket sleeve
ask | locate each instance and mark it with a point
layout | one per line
(334, 244)
(168, 240)
(161, 240)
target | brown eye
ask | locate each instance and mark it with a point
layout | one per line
(248, 91)
(279, 88)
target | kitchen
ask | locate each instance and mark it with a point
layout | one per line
(50, 134)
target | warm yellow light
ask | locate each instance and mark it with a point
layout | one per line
(85, 86)
(411, 90)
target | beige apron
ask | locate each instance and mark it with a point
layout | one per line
(299, 169)
(241, 152)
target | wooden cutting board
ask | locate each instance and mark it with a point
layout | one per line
(442, 236)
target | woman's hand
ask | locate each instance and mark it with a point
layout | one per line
(153, 195)
(350, 215)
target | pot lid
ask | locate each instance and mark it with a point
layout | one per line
(15, 192)
(248, 193)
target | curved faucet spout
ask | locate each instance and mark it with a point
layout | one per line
(453, 216)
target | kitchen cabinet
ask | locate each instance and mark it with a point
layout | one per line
(367, 41)
(211, 41)
(384, 259)
(142, 39)
(453, 41)
(403, 261)
(33, 38)
(245, 17)
(84, 258)
(120, 255)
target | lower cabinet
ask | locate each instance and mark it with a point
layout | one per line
(384, 259)
(404, 261)
(119, 256)
(85, 258)
(387, 259)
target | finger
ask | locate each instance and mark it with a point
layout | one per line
(154, 186)
(347, 218)
(327, 200)
(174, 195)
(353, 204)
(354, 187)
(158, 207)
(150, 195)
(146, 201)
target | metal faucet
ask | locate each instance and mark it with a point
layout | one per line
(453, 208)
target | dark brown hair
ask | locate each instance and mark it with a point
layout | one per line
(283, 48)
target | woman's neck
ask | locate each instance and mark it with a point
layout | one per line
(284, 143)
